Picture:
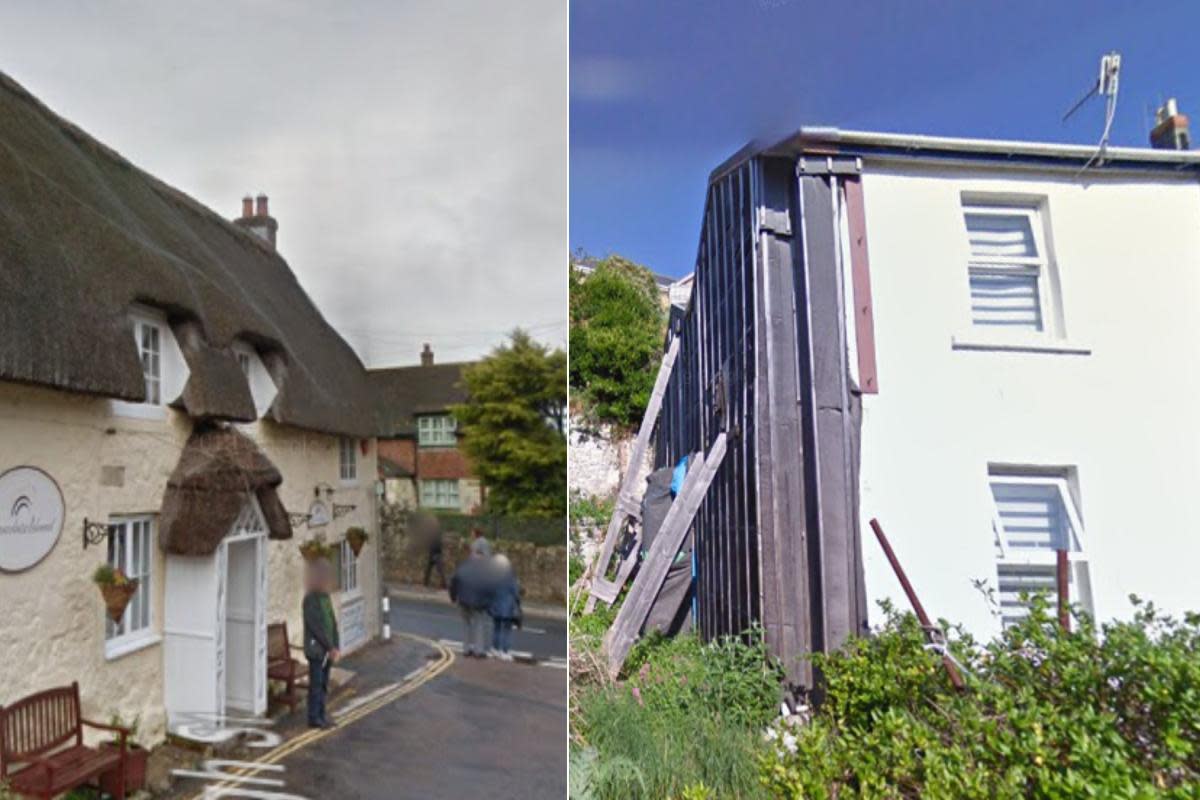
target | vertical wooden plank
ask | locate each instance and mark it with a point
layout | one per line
(860, 272)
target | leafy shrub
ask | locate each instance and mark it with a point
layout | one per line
(688, 718)
(617, 328)
(1111, 713)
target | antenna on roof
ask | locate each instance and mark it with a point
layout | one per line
(1107, 85)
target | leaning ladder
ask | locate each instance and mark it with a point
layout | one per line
(625, 630)
(628, 499)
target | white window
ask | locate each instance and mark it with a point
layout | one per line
(1008, 269)
(1035, 516)
(131, 550)
(149, 341)
(347, 460)
(436, 430)
(439, 494)
(347, 567)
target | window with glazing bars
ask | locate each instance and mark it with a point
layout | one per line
(1008, 268)
(436, 430)
(1034, 516)
(130, 549)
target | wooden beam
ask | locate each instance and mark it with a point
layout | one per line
(627, 506)
(860, 280)
(632, 616)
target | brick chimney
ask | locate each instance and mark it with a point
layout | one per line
(427, 356)
(257, 219)
(1170, 128)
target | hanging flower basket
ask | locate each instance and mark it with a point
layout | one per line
(357, 537)
(315, 548)
(116, 588)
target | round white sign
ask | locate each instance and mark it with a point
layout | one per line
(31, 517)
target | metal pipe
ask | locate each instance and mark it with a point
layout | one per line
(951, 670)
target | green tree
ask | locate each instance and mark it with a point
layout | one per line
(617, 328)
(513, 426)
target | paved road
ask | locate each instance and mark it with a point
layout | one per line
(544, 639)
(479, 729)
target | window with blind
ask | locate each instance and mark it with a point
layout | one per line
(1008, 268)
(1034, 516)
(130, 549)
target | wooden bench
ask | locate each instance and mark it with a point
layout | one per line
(281, 666)
(41, 746)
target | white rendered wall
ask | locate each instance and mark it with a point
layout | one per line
(1126, 416)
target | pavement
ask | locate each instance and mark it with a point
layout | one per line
(418, 721)
(406, 591)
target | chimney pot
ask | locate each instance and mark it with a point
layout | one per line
(1170, 128)
(261, 211)
(247, 206)
(427, 356)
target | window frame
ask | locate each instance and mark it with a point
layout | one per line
(1017, 558)
(129, 641)
(1037, 266)
(347, 460)
(347, 569)
(431, 482)
(443, 436)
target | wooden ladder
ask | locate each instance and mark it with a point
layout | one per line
(628, 625)
(598, 586)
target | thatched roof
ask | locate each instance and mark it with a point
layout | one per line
(403, 393)
(207, 491)
(84, 234)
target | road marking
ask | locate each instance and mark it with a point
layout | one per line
(533, 630)
(426, 674)
(359, 702)
(554, 664)
(453, 644)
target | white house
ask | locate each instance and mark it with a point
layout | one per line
(991, 347)
(171, 404)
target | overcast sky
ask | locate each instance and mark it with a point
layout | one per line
(415, 153)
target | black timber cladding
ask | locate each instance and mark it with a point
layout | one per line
(763, 358)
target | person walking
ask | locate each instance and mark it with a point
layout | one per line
(321, 642)
(470, 588)
(433, 554)
(505, 607)
(479, 543)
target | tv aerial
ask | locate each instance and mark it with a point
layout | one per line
(1107, 85)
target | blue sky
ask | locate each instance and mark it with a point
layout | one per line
(661, 92)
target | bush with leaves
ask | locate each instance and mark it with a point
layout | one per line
(617, 329)
(513, 427)
(687, 715)
(1111, 712)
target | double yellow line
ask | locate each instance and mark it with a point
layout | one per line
(441, 664)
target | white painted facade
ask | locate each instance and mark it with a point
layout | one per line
(205, 647)
(1109, 397)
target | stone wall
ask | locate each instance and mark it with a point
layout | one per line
(541, 570)
(598, 457)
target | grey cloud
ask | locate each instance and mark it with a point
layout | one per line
(415, 152)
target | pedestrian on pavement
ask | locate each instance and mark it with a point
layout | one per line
(506, 606)
(470, 587)
(321, 642)
(434, 555)
(479, 544)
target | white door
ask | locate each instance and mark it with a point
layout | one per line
(215, 630)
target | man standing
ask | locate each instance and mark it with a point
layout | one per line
(470, 588)
(320, 640)
(434, 555)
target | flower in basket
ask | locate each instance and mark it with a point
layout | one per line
(357, 537)
(315, 548)
(116, 587)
